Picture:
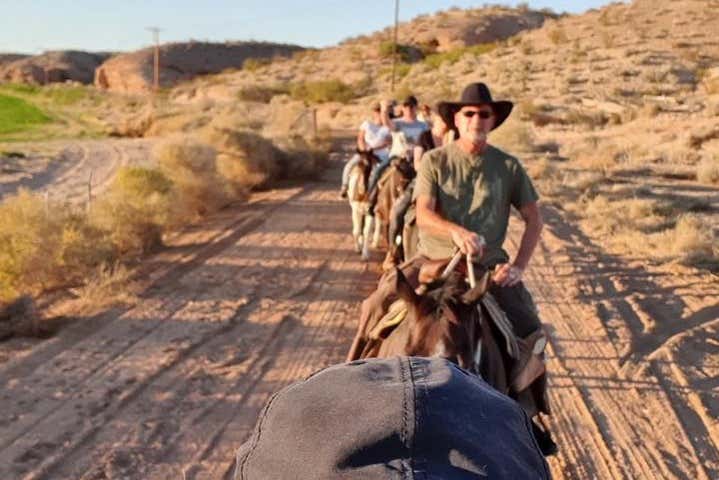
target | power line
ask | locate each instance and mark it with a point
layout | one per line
(394, 56)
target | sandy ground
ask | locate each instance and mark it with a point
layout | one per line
(267, 292)
(63, 169)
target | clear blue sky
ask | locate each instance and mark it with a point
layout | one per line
(31, 26)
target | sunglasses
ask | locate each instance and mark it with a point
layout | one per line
(483, 114)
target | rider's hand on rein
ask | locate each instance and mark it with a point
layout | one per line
(508, 275)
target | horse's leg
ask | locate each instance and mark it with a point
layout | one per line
(357, 225)
(368, 219)
(377, 231)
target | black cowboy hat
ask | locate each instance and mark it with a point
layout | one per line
(475, 94)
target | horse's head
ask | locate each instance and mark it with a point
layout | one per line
(443, 319)
(404, 171)
(367, 157)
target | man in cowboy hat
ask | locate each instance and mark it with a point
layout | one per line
(464, 191)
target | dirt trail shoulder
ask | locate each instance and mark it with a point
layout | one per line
(267, 292)
(63, 169)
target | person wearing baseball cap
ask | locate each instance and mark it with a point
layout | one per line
(386, 419)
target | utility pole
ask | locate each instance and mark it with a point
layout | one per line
(394, 57)
(156, 72)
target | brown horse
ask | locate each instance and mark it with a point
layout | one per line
(451, 320)
(390, 187)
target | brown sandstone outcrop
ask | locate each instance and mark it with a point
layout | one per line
(133, 72)
(52, 67)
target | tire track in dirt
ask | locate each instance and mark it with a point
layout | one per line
(104, 348)
(639, 429)
(79, 163)
(57, 434)
(160, 273)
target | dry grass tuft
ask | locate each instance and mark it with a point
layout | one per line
(245, 159)
(106, 286)
(135, 209)
(708, 170)
(691, 241)
(514, 136)
(29, 241)
(197, 187)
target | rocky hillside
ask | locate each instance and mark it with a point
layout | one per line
(456, 27)
(6, 58)
(365, 62)
(51, 67)
(133, 72)
(619, 106)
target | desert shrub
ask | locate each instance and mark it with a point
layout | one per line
(29, 240)
(708, 170)
(404, 52)
(196, 186)
(82, 247)
(245, 160)
(253, 64)
(322, 91)
(44, 244)
(691, 240)
(302, 158)
(135, 209)
(261, 93)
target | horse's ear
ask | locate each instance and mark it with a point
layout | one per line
(403, 288)
(473, 295)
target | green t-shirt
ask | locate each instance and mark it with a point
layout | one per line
(474, 191)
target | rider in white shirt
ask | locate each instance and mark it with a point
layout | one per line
(406, 131)
(372, 135)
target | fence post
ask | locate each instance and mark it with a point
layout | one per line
(314, 122)
(89, 191)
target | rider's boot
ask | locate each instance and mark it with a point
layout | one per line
(544, 440)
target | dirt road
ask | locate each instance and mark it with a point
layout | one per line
(267, 292)
(63, 169)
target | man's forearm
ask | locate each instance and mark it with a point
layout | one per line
(530, 239)
(431, 221)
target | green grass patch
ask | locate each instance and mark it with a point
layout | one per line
(17, 114)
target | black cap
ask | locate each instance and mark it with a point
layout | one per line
(391, 418)
(410, 101)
